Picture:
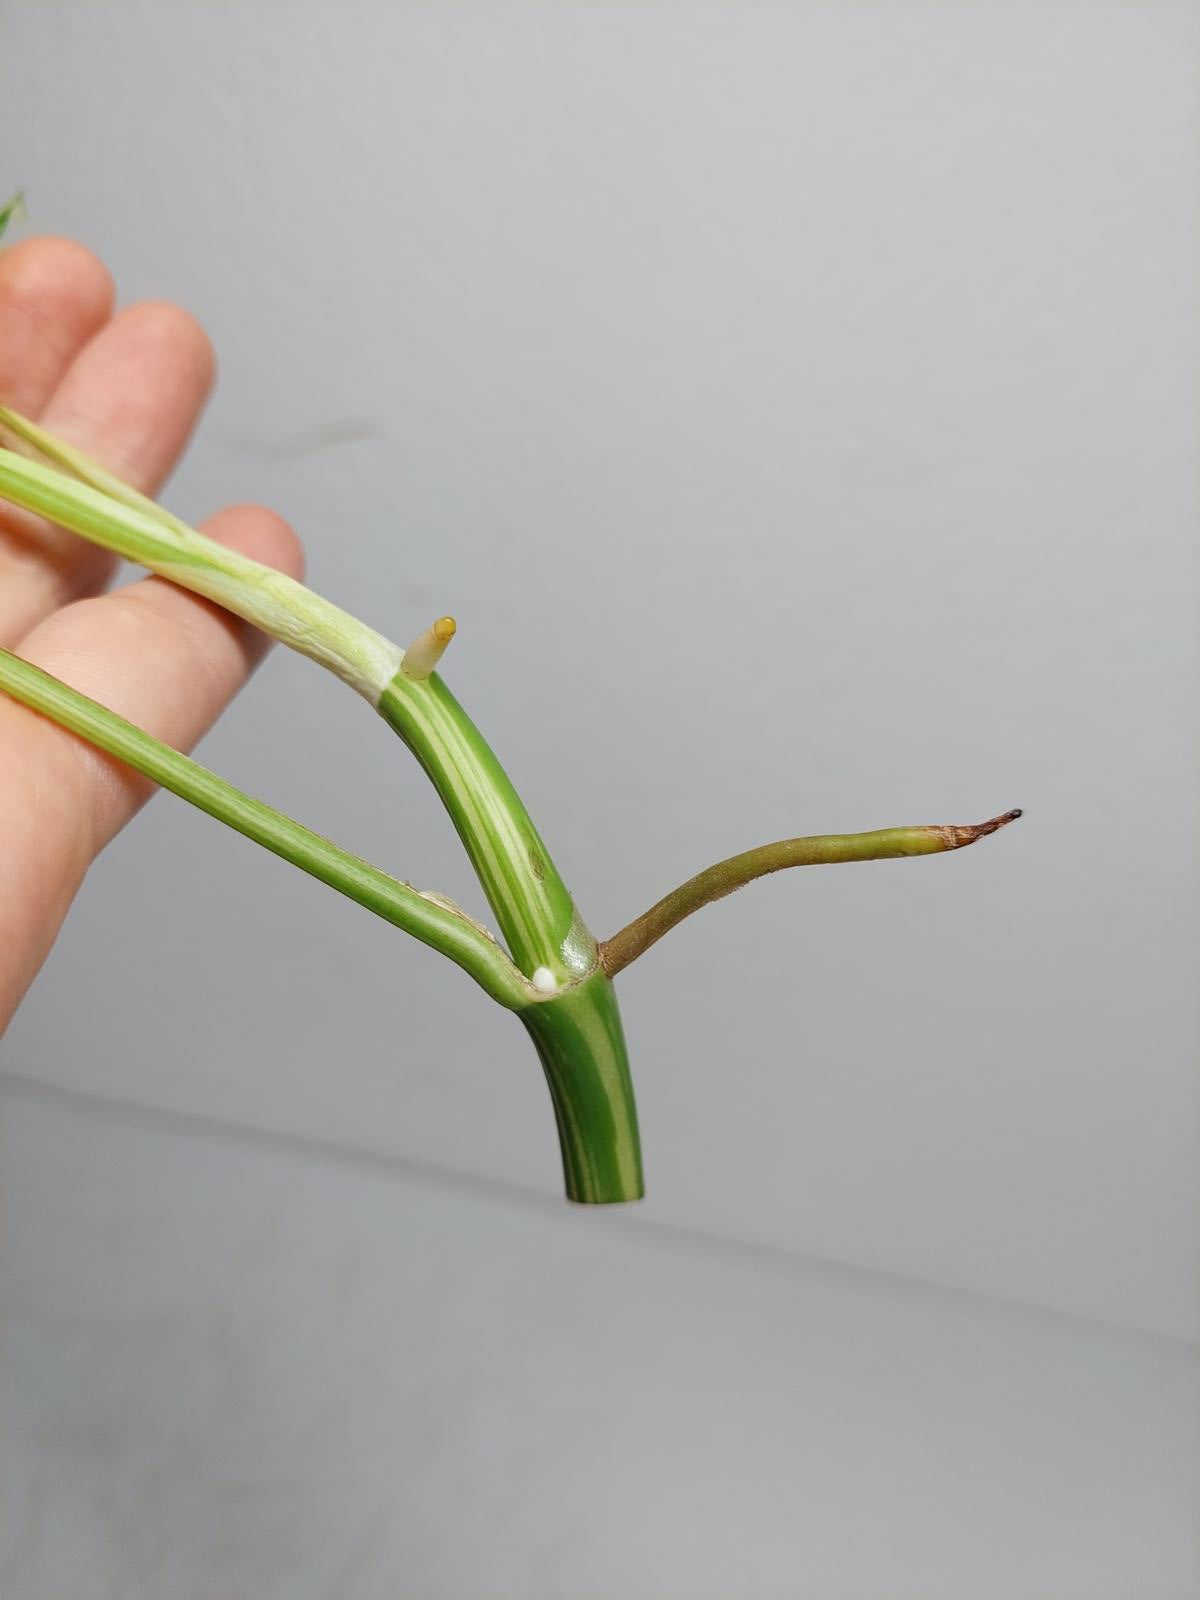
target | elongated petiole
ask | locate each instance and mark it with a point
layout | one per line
(80, 496)
(57, 453)
(430, 920)
(820, 850)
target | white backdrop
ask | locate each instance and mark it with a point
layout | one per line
(853, 342)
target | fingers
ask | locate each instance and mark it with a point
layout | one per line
(54, 295)
(129, 396)
(162, 658)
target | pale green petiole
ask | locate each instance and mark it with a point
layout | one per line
(113, 515)
(447, 931)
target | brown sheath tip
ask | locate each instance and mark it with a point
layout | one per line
(955, 838)
(999, 822)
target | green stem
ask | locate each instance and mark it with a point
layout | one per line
(577, 1029)
(528, 898)
(579, 1039)
(447, 931)
(818, 850)
(109, 513)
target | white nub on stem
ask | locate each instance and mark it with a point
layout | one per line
(424, 653)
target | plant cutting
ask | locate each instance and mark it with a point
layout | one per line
(542, 962)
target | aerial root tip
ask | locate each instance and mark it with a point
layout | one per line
(424, 653)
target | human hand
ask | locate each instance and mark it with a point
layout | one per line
(127, 389)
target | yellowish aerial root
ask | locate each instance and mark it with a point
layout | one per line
(424, 653)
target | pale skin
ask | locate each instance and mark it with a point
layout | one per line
(127, 387)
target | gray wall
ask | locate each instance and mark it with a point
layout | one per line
(795, 405)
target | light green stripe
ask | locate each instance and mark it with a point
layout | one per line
(270, 600)
(398, 903)
(533, 908)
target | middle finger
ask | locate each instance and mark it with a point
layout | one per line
(130, 400)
